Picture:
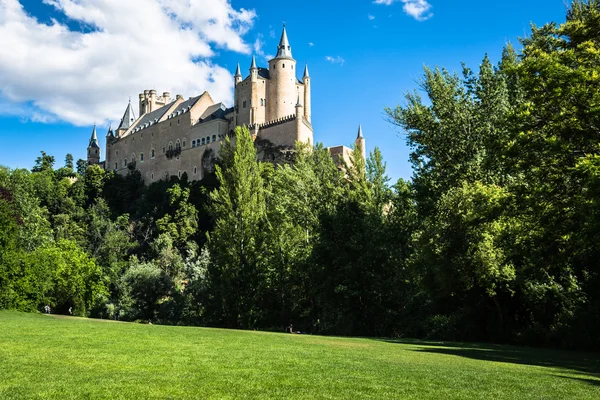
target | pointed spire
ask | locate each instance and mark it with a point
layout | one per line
(253, 65)
(306, 75)
(110, 132)
(360, 134)
(238, 72)
(94, 138)
(128, 118)
(284, 50)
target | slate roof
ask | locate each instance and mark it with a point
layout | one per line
(94, 139)
(128, 118)
(216, 111)
(184, 106)
(264, 73)
(151, 118)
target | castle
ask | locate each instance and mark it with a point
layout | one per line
(177, 136)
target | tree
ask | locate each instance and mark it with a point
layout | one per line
(238, 208)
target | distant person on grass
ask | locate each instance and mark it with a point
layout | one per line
(70, 310)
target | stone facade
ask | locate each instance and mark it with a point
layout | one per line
(176, 136)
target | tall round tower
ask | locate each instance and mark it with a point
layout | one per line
(281, 89)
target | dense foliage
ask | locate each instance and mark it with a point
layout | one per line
(493, 239)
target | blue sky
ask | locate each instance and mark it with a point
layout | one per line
(363, 56)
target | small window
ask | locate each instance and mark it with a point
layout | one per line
(95, 151)
(177, 122)
(244, 104)
(152, 134)
(283, 65)
(116, 166)
(203, 141)
(152, 176)
(292, 66)
(141, 157)
(207, 139)
(124, 162)
(177, 144)
(193, 143)
(117, 153)
(163, 150)
(152, 154)
(183, 143)
(214, 138)
(195, 170)
(179, 174)
(170, 145)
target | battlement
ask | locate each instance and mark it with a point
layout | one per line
(275, 122)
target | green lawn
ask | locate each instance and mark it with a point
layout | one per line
(50, 357)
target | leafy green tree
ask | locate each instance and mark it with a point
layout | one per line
(238, 208)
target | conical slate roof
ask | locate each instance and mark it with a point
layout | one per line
(110, 132)
(238, 72)
(306, 75)
(360, 134)
(284, 50)
(128, 118)
(94, 139)
(253, 65)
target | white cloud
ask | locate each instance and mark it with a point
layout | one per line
(311, 44)
(371, 17)
(335, 60)
(418, 9)
(258, 48)
(135, 45)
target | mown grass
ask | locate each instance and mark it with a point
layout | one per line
(49, 357)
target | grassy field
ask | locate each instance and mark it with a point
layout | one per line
(51, 357)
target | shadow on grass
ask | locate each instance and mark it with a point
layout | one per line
(593, 382)
(586, 363)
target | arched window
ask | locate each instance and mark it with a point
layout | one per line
(170, 145)
(244, 104)
(283, 65)
(195, 170)
(193, 143)
(203, 141)
(116, 166)
(261, 102)
(177, 144)
(214, 138)
(207, 139)
(141, 157)
(183, 142)
(179, 174)
(152, 153)
(117, 153)
(124, 162)
(152, 176)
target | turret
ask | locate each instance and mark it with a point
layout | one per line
(281, 90)
(306, 81)
(127, 120)
(238, 75)
(360, 142)
(93, 150)
(253, 70)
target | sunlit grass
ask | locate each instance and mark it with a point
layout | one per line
(48, 357)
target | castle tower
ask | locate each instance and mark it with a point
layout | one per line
(93, 150)
(306, 81)
(360, 142)
(281, 90)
